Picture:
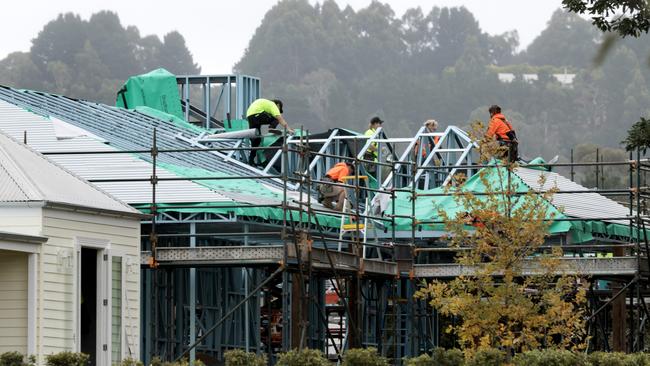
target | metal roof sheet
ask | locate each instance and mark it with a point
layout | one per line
(128, 130)
(34, 178)
(41, 136)
(578, 205)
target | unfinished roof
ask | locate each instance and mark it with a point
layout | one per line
(27, 176)
(128, 130)
(578, 205)
(53, 135)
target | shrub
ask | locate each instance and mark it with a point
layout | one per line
(487, 357)
(439, 357)
(421, 360)
(363, 357)
(550, 358)
(448, 357)
(237, 357)
(639, 359)
(11, 359)
(130, 362)
(610, 359)
(67, 359)
(305, 357)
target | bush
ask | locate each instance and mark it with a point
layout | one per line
(67, 359)
(487, 357)
(551, 358)
(305, 357)
(421, 360)
(639, 359)
(130, 362)
(439, 357)
(448, 357)
(11, 359)
(611, 359)
(237, 357)
(363, 357)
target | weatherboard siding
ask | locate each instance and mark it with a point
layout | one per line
(21, 220)
(13, 302)
(64, 229)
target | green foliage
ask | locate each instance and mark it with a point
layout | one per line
(237, 357)
(304, 357)
(11, 359)
(90, 59)
(130, 362)
(550, 357)
(364, 357)
(501, 233)
(67, 359)
(487, 357)
(638, 137)
(631, 17)
(567, 33)
(439, 357)
(610, 359)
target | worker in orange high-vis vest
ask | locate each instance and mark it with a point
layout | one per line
(501, 130)
(430, 126)
(330, 193)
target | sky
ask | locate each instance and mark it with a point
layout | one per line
(217, 31)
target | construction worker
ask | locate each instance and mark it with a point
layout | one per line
(328, 192)
(264, 112)
(372, 152)
(431, 125)
(501, 130)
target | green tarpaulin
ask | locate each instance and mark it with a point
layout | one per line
(427, 208)
(157, 89)
(255, 192)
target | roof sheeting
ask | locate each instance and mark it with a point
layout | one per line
(578, 205)
(30, 177)
(42, 135)
(129, 130)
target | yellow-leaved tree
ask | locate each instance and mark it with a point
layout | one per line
(514, 292)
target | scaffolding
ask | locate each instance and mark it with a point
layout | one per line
(213, 282)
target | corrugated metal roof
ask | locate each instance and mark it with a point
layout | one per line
(41, 136)
(33, 178)
(578, 205)
(127, 130)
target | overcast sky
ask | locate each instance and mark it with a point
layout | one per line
(217, 31)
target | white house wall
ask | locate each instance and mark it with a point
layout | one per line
(21, 220)
(57, 280)
(13, 302)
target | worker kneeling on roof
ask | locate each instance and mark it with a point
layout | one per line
(501, 130)
(264, 112)
(329, 192)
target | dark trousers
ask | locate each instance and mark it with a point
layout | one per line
(257, 121)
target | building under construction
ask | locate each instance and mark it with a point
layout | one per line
(240, 256)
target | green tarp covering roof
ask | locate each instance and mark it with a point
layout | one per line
(157, 89)
(427, 209)
(242, 191)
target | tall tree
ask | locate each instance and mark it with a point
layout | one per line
(89, 59)
(568, 40)
(624, 17)
(175, 57)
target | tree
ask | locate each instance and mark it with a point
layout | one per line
(624, 17)
(175, 57)
(567, 41)
(638, 137)
(497, 304)
(89, 59)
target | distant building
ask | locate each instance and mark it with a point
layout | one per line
(564, 79)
